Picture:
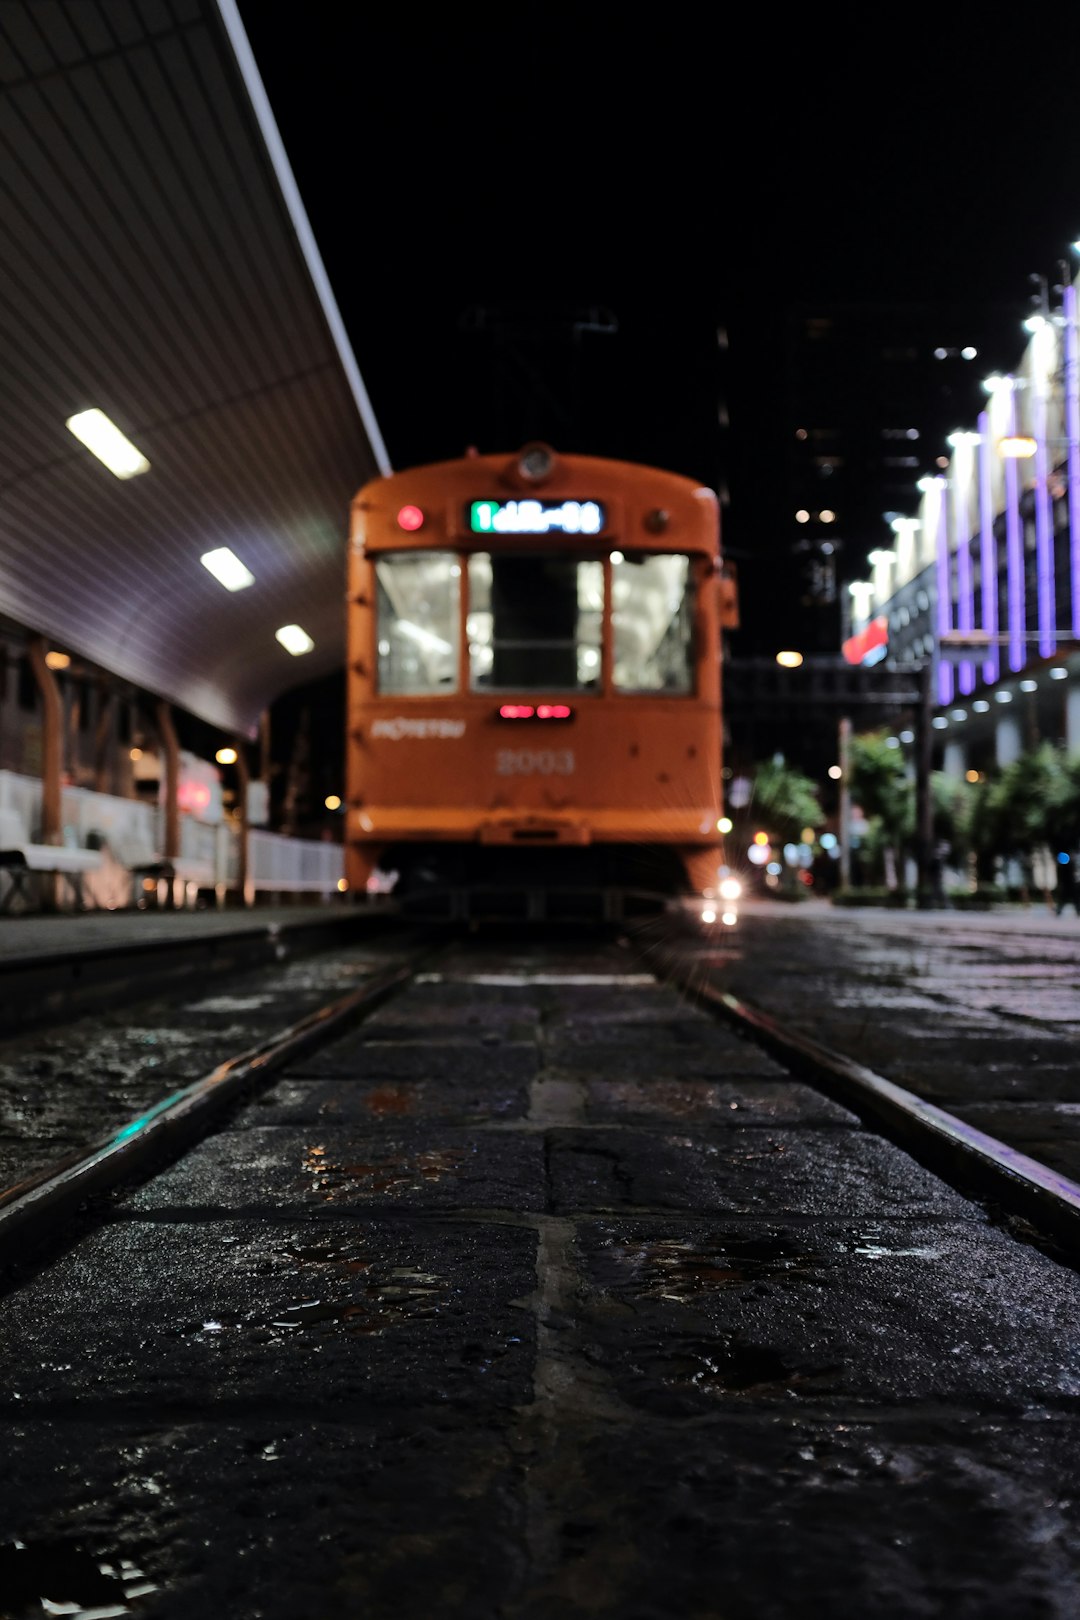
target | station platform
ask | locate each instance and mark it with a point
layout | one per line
(86, 933)
(70, 962)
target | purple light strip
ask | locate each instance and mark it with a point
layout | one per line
(944, 591)
(965, 584)
(988, 553)
(1044, 534)
(1072, 430)
(1014, 549)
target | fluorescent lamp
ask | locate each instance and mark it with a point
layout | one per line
(294, 640)
(105, 440)
(227, 569)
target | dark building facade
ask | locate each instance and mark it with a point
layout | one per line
(873, 391)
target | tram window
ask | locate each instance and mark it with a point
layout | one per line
(417, 621)
(652, 623)
(534, 623)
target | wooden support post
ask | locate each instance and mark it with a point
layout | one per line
(244, 888)
(170, 752)
(52, 744)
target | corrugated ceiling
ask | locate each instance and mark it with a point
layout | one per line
(149, 266)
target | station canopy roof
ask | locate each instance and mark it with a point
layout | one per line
(157, 266)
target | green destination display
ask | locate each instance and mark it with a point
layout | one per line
(536, 517)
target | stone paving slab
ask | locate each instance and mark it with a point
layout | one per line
(350, 1315)
(592, 1005)
(957, 1084)
(743, 1170)
(406, 1516)
(479, 1099)
(689, 1317)
(427, 1003)
(387, 1031)
(721, 1059)
(974, 1517)
(508, 1060)
(290, 1168)
(706, 1102)
(1025, 1121)
(878, 1043)
(793, 1517)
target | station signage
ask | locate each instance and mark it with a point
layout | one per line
(535, 517)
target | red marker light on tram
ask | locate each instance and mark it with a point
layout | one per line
(553, 711)
(410, 518)
(516, 711)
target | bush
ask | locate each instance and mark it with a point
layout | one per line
(980, 898)
(895, 898)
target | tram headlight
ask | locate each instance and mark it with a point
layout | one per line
(730, 889)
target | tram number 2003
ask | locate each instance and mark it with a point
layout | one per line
(534, 762)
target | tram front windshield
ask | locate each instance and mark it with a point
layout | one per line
(534, 622)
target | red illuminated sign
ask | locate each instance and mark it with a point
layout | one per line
(870, 645)
(539, 711)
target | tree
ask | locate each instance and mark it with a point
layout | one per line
(784, 801)
(878, 782)
(1033, 808)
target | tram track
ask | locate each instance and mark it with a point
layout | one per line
(543, 1259)
(978, 1164)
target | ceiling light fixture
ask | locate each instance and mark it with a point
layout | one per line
(104, 439)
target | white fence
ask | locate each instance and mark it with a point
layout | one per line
(130, 833)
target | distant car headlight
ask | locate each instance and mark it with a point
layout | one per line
(708, 915)
(730, 889)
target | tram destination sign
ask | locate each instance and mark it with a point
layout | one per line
(535, 517)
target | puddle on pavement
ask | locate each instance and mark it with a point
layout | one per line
(400, 1294)
(232, 1004)
(60, 1577)
(390, 1100)
(879, 1251)
(682, 1271)
(740, 1369)
(404, 1171)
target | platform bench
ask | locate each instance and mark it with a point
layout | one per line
(23, 860)
(144, 863)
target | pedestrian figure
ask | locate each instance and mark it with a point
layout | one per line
(1066, 893)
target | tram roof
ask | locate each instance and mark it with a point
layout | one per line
(158, 266)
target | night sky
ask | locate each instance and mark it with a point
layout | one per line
(469, 184)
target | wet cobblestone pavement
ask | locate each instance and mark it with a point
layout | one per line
(61, 1088)
(978, 1014)
(544, 1294)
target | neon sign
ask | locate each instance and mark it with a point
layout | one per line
(535, 517)
(869, 645)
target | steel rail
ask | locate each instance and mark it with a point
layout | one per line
(30, 1208)
(973, 1162)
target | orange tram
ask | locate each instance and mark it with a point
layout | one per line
(534, 703)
